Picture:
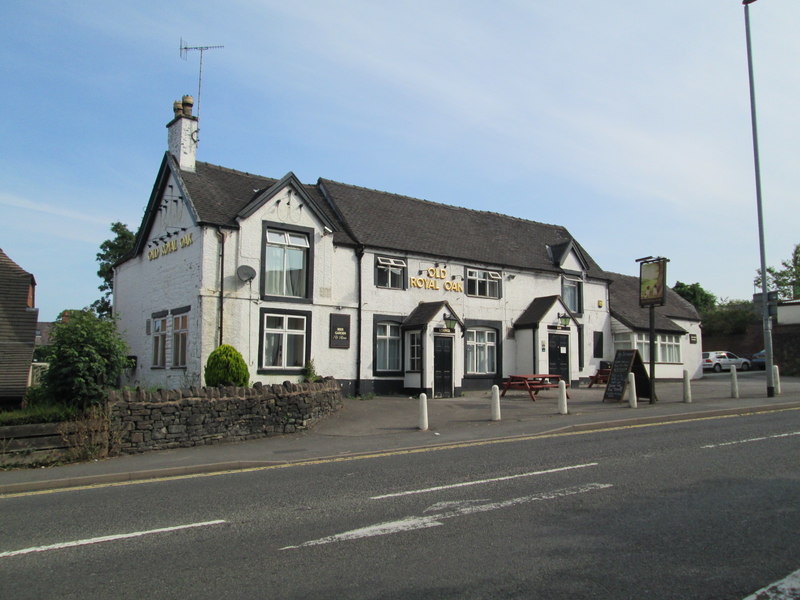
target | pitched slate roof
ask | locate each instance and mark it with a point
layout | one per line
(535, 312)
(425, 312)
(394, 222)
(623, 303)
(17, 328)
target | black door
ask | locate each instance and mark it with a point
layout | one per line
(442, 367)
(558, 363)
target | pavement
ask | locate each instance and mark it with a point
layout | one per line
(384, 424)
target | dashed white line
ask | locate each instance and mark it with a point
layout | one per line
(481, 481)
(105, 538)
(458, 510)
(750, 440)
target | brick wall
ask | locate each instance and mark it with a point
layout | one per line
(786, 348)
(141, 421)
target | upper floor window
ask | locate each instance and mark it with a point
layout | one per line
(390, 273)
(485, 284)
(286, 264)
(572, 294)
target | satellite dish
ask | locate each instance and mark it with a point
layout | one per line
(245, 272)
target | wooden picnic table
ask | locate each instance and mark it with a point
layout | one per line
(532, 383)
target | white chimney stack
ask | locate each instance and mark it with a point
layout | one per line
(182, 134)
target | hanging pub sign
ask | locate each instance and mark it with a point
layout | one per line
(652, 282)
(340, 331)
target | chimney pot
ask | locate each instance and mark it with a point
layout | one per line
(188, 103)
(177, 108)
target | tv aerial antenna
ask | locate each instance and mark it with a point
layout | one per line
(185, 48)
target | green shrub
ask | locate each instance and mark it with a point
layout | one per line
(225, 366)
(310, 372)
(88, 356)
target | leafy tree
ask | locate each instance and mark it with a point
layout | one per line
(702, 300)
(110, 252)
(786, 280)
(225, 366)
(88, 356)
(730, 317)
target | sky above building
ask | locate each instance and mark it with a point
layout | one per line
(626, 121)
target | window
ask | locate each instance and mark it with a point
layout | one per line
(286, 264)
(390, 273)
(481, 351)
(284, 342)
(668, 347)
(415, 351)
(571, 294)
(387, 347)
(160, 343)
(180, 336)
(598, 344)
(485, 284)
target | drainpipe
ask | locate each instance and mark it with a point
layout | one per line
(221, 238)
(360, 255)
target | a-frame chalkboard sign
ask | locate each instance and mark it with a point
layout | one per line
(627, 361)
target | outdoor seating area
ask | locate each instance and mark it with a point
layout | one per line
(532, 383)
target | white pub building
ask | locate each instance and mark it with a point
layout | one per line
(386, 293)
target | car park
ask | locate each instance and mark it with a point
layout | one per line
(759, 360)
(722, 360)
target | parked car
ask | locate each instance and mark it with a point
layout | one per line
(759, 360)
(720, 360)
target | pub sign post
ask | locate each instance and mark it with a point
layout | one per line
(652, 293)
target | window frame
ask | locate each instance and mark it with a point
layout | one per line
(390, 265)
(180, 340)
(159, 346)
(480, 347)
(308, 276)
(485, 277)
(284, 332)
(393, 321)
(414, 364)
(578, 285)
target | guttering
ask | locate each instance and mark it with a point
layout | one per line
(221, 238)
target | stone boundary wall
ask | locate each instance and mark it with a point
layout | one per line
(141, 421)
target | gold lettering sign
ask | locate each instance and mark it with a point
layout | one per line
(435, 275)
(170, 246)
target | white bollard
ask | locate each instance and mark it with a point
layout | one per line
(734, 383)
(633, 399)
(423, 412)
(776, 379)
(495, 403)
(562, 398)
(687, 388)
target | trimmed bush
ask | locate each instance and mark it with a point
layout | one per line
(225, 366)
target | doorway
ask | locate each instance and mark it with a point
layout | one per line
(442, 367)
(558, 356)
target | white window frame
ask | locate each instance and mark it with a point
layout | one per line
(668, 347)
(481, 351)
(576, 284)
(160, 343)
(180, 340)
(284, 334)
(415, 351)
(483, 283)
(388, 347)
(393, 268)
(286, 241)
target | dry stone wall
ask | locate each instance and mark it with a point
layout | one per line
(141, 421)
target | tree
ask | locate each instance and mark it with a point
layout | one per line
(111, 251)
(702, 300)
(88, 357)
(225, 366)
(785, 281)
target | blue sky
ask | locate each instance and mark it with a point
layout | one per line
(626, 121)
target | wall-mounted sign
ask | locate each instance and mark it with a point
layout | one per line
(340, 331)
(436, 280)
(692, 338)
(170, 246)
(652, 278)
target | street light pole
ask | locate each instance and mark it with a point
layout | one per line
(767, 323)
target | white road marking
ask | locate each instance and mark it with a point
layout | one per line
(787, 588)
(480, 482)
(105, 538)
(758, 439)
(456, 510)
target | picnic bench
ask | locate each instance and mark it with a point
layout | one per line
(532, 383)
(600, 377)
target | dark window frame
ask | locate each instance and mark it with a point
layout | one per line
(309, 277)
(266, 370)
